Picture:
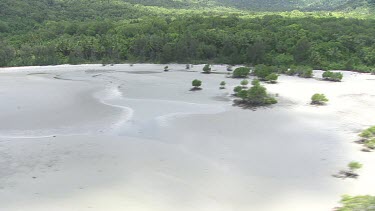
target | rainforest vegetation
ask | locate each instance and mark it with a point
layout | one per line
(53, 32)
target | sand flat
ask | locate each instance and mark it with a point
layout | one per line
(122, 137)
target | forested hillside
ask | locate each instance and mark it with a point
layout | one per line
(45, 32)
(306, 5)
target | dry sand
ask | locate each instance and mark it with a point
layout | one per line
(135, 138)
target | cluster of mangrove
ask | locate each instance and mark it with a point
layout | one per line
(270, 73)
(254, 96)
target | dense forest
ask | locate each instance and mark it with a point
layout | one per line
(52, 32)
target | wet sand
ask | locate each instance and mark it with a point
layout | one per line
(126, 137)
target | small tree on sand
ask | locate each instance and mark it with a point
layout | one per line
(207, 68)
(351, 173)
(222, 85)
(332, 76)
(318, 99)
(272, 78)
(353, 166)
(368, 138)
(244, 83)
(166, 69)
(255, 82)
(196, 84)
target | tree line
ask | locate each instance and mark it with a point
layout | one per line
(321, 43)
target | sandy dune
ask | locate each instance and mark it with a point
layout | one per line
(118, 137)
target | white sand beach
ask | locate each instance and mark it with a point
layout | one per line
(93, 137)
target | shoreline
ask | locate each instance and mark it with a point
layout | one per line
(146, 63)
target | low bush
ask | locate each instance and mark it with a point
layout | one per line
(318, 99)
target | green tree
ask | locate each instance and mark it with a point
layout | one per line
(368, 137)
(304, 71)
(241, 72)
(196, 84)
(262, 71)
(360, 203)
(256, 52)
(368, 133)
(255, 82)
(207, 68)
(244, 83)
(222, 85)
(272, 78)
(318, 99)
(237, 89)
(302, 51)
(332, 76)
(7, 54)
(353, 166)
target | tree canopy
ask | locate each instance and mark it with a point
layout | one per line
(48, 32)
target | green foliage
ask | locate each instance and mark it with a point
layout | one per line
(207, 68)
(241, 72)
(370, 143)
(318, 99)
(7, 54)
(237, 89)
(196, 83)
(354, 203)
(262, 71)
(368, 133)
(256, 96)
(304, 71)
(222, 85)
(272, 78)
(353, 166)
(332, 76)
(306, 5)
(255, 82)
(45, 32)
(301, 71)
(242, 94)
(244, 83)
(368, 137)
(302, 51)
